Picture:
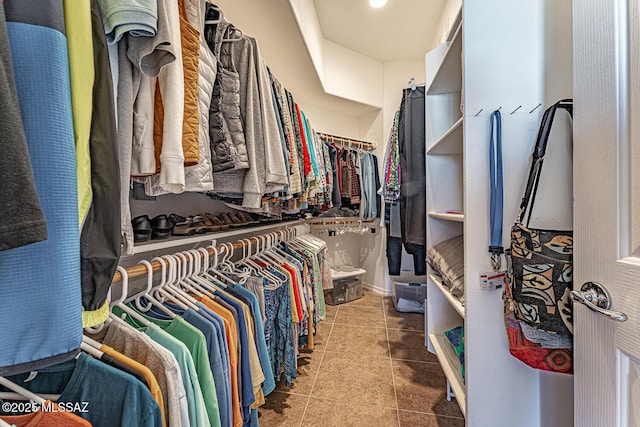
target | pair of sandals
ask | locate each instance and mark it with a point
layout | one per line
(208, 222)
(190, 225)
(145, 229)
(237, 219)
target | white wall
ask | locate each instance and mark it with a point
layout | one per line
(351, 75)
(333, 122)
(449, 12)
(343, 72)
(558, 49)
(396, 77)
(309, 26)
(556, 390)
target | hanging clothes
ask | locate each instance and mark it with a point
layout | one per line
(411, 141)
(100, 238)
(197, 177)
(23, 221)
(127, 402)
(43, 304)
(228, 146)
(190, 58)
(150, 51)
(158, 360)
(196, 343)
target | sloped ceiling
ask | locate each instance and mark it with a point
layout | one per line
(401, 29)
(273, 25)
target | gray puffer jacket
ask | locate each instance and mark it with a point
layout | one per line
(228, 146)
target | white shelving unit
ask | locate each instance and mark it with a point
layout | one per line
(492, 58)
(444, 152)
(451, 367)
(453, 301)
(450, 142)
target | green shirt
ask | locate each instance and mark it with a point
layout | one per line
(195, 342)
(195, 400)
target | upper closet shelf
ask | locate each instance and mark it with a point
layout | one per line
(451, 367)
(448, 77)
(176, 241)
(453, 301)
(450, 142)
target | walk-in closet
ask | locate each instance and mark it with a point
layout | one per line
(234, 213)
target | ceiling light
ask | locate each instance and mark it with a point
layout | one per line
(377, 3)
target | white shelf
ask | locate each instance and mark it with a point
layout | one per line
(450, 142)
(451, 366)
(448, 77)
(176, 241)
(447, 216)
(455, 302)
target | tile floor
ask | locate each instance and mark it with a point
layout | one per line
(369, 368)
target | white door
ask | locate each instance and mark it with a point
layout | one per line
(607, 209)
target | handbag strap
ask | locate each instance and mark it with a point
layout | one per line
(497, 194)
(538, 157)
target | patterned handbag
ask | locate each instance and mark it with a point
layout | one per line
(538, 312)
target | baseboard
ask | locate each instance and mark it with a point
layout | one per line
(377, 289)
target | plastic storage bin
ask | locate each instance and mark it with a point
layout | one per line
(347, 285)
(409, 297)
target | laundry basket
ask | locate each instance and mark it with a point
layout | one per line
(409, 297)
(347, 285)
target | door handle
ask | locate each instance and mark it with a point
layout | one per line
(597, 299)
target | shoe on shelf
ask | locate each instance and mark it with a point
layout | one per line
(247, 218)
(208, 223)
(141, 228)
(217, 221)
(243, 222)
(161, 227)
(182, 226)
(198, 224)
(231, 219)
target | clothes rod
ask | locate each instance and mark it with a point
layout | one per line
(344, 140)
(141, 270)
(345, 222)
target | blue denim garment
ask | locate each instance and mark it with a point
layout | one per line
(243, 294)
